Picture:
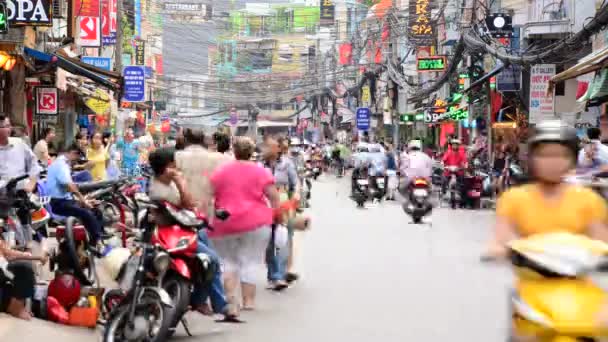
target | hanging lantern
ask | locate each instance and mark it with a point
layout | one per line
(10, 64)
(4, 57)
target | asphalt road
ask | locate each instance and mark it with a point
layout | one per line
(366, 274)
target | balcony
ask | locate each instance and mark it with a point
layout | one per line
(547, 18)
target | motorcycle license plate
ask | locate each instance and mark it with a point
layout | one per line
(362, 181)
(381, 185)
(474, 193)
(420, 192)
(316, 169)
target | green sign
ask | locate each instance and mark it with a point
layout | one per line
(3, 19)
(456, 113)
(411, 117)
(436, 63)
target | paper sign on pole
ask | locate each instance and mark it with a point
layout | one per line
(541, 103)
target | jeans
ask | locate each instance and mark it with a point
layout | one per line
(91, 222)
(276, 260)
(82, 176)
(214, 291)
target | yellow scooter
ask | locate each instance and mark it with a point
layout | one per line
(561, 293)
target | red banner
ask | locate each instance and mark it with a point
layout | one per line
(346, 54)
(159, 64)
(105, 17)
(86, 8)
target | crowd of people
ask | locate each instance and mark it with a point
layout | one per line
(201, 173)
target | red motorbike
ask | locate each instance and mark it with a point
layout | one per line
(474, 189)
(177, 232)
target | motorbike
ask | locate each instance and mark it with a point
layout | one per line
(23, 215)
(452, 188)
(560, 293)
(142, 310)
(306, 188)
(361, 189)
(379, 186)
(74, 253)
(178, 235)
(418, 204)
(473, 184)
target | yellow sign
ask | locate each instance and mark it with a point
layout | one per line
(365, 94)
(99, 103)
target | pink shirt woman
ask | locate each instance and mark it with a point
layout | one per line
(244, 189)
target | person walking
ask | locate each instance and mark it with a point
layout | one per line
(245, 190)
(41, 149)
(99, 158)
(129, 153)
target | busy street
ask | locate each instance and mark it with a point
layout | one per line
(304, 170)
(365, 273)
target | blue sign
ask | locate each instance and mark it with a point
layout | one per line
(109, 40)
(100, 62)
(363, 119)
(509, 79)
(137, 17)
(134, 84)
(149, 72)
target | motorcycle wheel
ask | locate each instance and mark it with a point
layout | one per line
(417, 219)
(179, 290)
(149, 304)
(452, 199)
(88, 275)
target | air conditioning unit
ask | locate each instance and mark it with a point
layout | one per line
(60, 9)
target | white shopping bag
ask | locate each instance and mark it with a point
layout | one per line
(281, 236)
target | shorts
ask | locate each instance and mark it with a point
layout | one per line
(243, 253)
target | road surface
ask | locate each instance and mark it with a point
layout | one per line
(367, 274)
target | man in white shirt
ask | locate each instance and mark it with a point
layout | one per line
(415, 164)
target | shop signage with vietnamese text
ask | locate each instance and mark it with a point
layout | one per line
(541, 103)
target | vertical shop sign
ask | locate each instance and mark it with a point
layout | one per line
(421, 29)
(137, 17)
(140, 52)
(328, 12)
(541, 103)
(108, 22)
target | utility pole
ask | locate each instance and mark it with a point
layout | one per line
(394, 56)
(118, 46)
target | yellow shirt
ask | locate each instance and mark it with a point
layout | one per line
(530, 213)
(99, 158)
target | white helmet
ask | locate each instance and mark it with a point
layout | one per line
(415, 144)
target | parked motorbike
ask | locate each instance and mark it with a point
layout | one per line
(144, 311)
(418, 204)
(178, 235)
(560, 294)
(23, 216)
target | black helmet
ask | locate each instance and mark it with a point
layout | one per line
(554, 131)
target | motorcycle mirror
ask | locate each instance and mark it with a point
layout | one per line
(222, 214)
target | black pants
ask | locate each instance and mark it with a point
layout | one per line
(21, 286)
(91, 222)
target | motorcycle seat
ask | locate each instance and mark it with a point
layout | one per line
(92, 186)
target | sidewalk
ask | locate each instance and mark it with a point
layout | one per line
(15, 330)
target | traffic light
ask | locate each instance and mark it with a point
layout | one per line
(3, 19)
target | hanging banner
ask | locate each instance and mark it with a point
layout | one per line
(140, 52)
(328, 12)
(346, 53)
(108, 22)
(509, 79)
(541, 103)
(86, 8)
(421, 30)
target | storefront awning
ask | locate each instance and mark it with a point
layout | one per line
(591, 63)
(497, 69)
(75, 66)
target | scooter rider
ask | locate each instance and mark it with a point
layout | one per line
(361, 163)
(548, 204)
(414, 164)
(454, 156)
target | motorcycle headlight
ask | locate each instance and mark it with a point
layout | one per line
(161, 262)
